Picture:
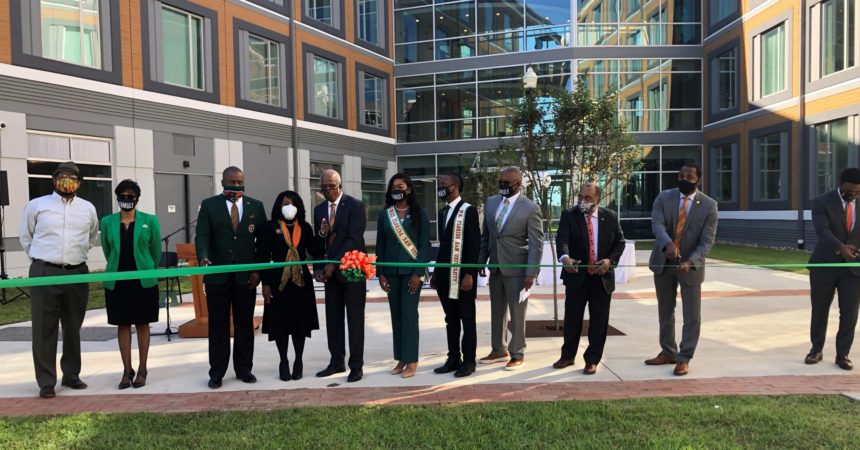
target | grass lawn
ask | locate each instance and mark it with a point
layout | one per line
(694, 422)
(19, 310)
(745, 254)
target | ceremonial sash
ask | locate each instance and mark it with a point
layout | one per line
(456, 252)
(402, 237)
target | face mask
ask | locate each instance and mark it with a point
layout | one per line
(67, 185)
(686, 187)
(234, 192)
(846, 196)
(505, 189)
(586, 207)
(126, 203)
(289, 211)
(443, 192)
(398, 194)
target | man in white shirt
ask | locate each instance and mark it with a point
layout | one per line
(57, 232)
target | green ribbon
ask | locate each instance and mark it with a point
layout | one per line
(212, 270)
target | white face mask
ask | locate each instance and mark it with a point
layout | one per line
(289, 212)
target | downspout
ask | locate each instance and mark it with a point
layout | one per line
(805, 182)
(295, 133)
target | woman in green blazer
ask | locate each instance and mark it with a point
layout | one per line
(403, 235)
(131, 240)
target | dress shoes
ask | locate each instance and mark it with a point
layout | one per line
(355, 375)
(47, 392)
(844, 363)
(398, 369)
(247, 377)
(126, 380)
(494, 358)
(660, 360)
(298, 368)
(813, 357)
(515, 364)
(562, 363)
(214, 383)
(451, 365)
(74, 384)
(284, 371)
(331, 370)
(682, 369)
(410, 370)
(590, 369)
(465, 370)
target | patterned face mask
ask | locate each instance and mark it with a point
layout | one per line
(67, 185)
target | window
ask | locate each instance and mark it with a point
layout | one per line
(726, 89)
(320, 10)
(772, 61)
(770, 164)
(46, 150)
(721, 10)
(373, 187)
(262, 68)
(281, 6)
(838, 42)
(832, 153)
(318, 167)
(325, 89)
(724, 173)
(372, 102)
(180, 49)
(371, 22)
(634, 114)
(67, 36)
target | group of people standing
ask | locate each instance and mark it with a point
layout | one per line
(58, 231)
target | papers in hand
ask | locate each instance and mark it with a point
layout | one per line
(524, 295)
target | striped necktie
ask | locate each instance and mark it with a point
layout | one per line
(234, 215)
(500, 219)
(682, 221)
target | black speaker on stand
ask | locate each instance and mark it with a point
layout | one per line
(4, 202)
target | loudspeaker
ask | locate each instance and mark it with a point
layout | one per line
(4, 189)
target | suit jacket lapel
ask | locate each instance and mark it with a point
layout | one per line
(675, 208)
(447, 228)
(512, 209)
(114, 231)
(225, 213)
(602, 234)
(338, 213)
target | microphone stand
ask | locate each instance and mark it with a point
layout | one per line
(166, 239)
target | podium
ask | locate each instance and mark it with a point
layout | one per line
(199, 326)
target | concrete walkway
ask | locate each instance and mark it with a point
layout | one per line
(754, 338)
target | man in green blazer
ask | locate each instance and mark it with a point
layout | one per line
(228, 229)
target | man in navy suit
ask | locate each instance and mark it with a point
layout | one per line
(589, 234)
(340, 221)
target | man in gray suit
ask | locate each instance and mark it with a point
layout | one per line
(684, 222)
(512, 234)
(834, 215)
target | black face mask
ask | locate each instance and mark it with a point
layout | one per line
(506, 189)
(398, 194)
(443, 192)
(686, 187)
(846, 196)
(125, 202)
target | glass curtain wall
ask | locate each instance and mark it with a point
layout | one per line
(656, 22)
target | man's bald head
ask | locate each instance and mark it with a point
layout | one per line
(510, 181)
(513, 172)
(330, 184)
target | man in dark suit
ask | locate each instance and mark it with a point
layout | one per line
(459, 242)
(228, 229)
(340, 221)
(684, 222)
(834, 215)
(592, 234)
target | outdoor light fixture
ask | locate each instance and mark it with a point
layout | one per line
(530, 79)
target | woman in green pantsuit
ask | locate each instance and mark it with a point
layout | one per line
(403, 236)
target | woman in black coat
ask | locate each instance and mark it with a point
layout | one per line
(290, 303)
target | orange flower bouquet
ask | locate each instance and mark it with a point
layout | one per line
(357, 266)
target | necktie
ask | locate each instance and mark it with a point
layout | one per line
(592, 247)
(849, 216)
(331, 215)
(682, 220)
(234, 216)
(500, 219)
(445, 216)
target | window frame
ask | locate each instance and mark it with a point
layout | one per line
(713, 113)
(361, 69)
(371, 218)
(284, 9)
(382, 26)
(784, 129)
(753, 59)
(734, 143)
(337, 12)
(813, 42)
(151, 48)
(711, 26)
(25, 18)
(853, 117)
(307, 52)
(241, 29)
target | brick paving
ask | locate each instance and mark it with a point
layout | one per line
(427, 395)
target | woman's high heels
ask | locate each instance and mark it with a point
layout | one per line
(125, 383)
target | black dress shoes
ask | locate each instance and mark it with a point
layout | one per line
(74, 384)
(47, 392)
(465, 370)
(355, 375)
(214, 383)
(450, 365)
(844, 363)
(331, 370)
(813, 357)
(247, 377)
(284, 371)
(298, 368)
